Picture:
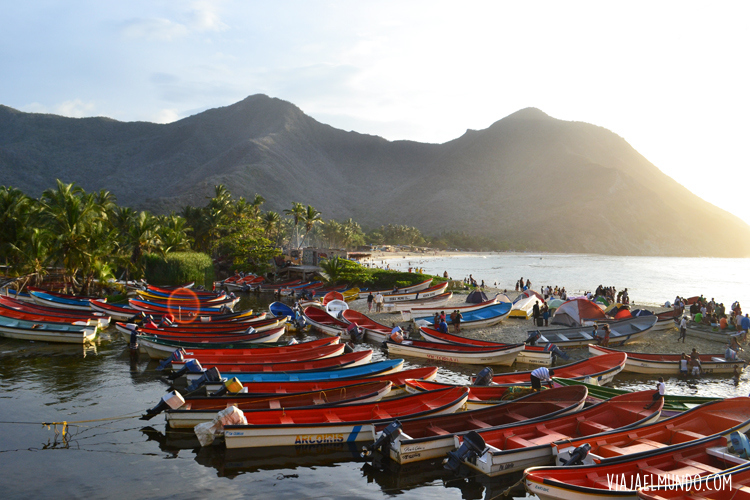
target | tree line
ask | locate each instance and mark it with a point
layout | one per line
(89, 237)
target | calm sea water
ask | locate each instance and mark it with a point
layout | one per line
(649, 280)
(107, 457)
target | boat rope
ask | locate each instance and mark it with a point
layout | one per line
(508, 490)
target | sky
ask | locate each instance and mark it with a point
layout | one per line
(670, 77)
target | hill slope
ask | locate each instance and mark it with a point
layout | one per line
(539, 182)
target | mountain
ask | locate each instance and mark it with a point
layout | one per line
(531, 180)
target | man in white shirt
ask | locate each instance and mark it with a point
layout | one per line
(540, 375)
(379, 302)
(683, 329)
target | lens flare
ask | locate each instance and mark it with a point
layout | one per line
(184, 305)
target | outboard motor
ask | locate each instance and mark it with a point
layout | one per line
(348, 348)
(556, 351)
(177, 355)
(484, 377)
(191, 366)
(472, 447)
(250, 330)
(533, 337)
(232, 385)
(356, 334)
(210, 375)
(171, 400)
(739, 444)
(299, 322)
(386, 438)
(292, 342)
(577, 456)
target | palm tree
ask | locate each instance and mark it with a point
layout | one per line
(332, 269)
(255, 206)
(310, 217)
(296, 213)
(67, 213)
(271, 224)
(172, 233)
(15, 210)
(32, 254)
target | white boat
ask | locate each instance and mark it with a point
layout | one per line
(524, 307)
(46, 332)
(457, 353)
(620, 333)
(423, 294)
(413, 288)
(669, 364)
(335, 307)
(437, 302)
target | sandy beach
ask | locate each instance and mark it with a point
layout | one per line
(513, 330)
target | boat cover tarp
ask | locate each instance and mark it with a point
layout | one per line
(623, 314)
(573, 311)
(529, 293)
(477, 297)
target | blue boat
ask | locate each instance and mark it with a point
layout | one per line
(478, 318)
(281, 309)
(46, 299)
(368, 370)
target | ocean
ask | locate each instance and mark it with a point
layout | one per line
(649, 280)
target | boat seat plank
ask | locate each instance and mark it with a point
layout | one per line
(587, 427)
(478, 423)
(548, 437)
(513, 442)
(274, 404)
(698, 465)
(286, 419)
(517, 417)
(437, 431)
(586, 336)
(332, 417)
(609, 450)
(682, 436)
(562, 337)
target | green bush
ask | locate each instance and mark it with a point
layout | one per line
(178, 268)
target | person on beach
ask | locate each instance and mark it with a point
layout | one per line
(457, 321)
(528, 284)
(695, 362)
(540, 375)
(684, 365)
(735, 345)
(605, 340)
(379, 299)
(443, 326)
(661, 390)
(436, 320)
(744, 326)
(545, 314)
(370, 300)
(683, 329)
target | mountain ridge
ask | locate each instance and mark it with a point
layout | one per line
(529, 180)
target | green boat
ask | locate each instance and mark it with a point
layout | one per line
(673, 404)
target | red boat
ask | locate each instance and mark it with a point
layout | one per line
(261, 356)
(125, 313)
(515, 448)
(398, 380)
(204, 409)
(334, 424)
(181, 292)
(480, 396)
(374, 331)
(602, 368)
(619, 478)
(275, 286)
(270, 335)
(32, 308)
(270, 351)
(733, 484)
(14, 314)
(324, 322)
(332, 296)
(343, 361)
(210, 328)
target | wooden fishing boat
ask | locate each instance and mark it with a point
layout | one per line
(405, 306)
(45, 318)
(336, 307)
(456, 353)
(332, 296)
(374, 331)
(716, 418)
(262, 356)
(673, 403)
(706, 332)
(123, 312)
(357, 358)
(416, 294)
(620, 478)
(367, 370)
(203, 409)
(523, 307)
(247, 283)
(177, 310)
(398, 382)
(251, 350)
(46, 332)
(272, 287)
(531, 355)
(620, 333)
(350, 294)
(15, 294)
(336, 424)
(480, 396)
(265, 335)
(324, 322)
(669, 364)
(478, 318)
(732, 484)
(71, 315)
(408, 289)
(212, 301)
(206, 329)
(70, 302)
(432, 437)
(430, 310)
(158, 348)
(601, 369)
(513, 449)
